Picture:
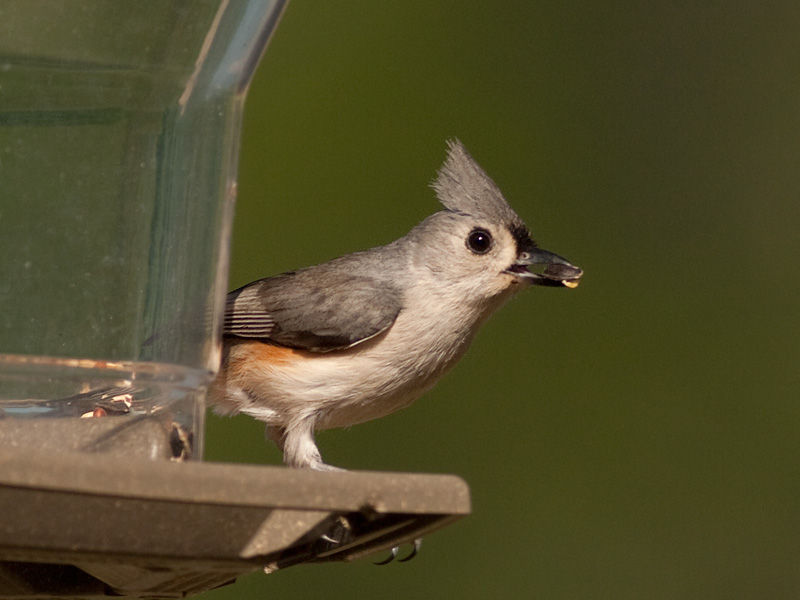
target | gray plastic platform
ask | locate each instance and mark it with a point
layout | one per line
(85, 525)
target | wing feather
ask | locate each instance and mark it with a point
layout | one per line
(313, 309)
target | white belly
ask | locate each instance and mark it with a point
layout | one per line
(336, 389)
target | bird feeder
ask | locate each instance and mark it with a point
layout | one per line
(119, 132)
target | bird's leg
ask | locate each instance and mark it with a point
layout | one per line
(296, 441)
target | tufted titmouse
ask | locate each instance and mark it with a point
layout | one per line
(365, 334)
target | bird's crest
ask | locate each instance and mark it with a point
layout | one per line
(462, 186)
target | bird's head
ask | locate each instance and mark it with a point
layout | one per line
(478, 245)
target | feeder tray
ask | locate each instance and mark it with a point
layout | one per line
(84, 525)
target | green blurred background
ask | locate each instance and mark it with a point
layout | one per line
(636, 437)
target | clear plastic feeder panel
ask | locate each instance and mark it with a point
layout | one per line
(119, 132)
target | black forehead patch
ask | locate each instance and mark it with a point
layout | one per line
(521, 236)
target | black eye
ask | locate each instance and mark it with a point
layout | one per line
(479, 241)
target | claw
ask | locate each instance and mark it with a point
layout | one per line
(339, 533)
(414, 551)
(392, 555)
(329, 539)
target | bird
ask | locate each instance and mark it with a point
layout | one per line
(366, 334)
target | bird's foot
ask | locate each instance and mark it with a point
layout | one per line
(321, 466)
(395, 551)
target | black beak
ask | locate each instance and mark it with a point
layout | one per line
(558, 272)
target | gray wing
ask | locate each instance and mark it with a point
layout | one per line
(318, 311)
